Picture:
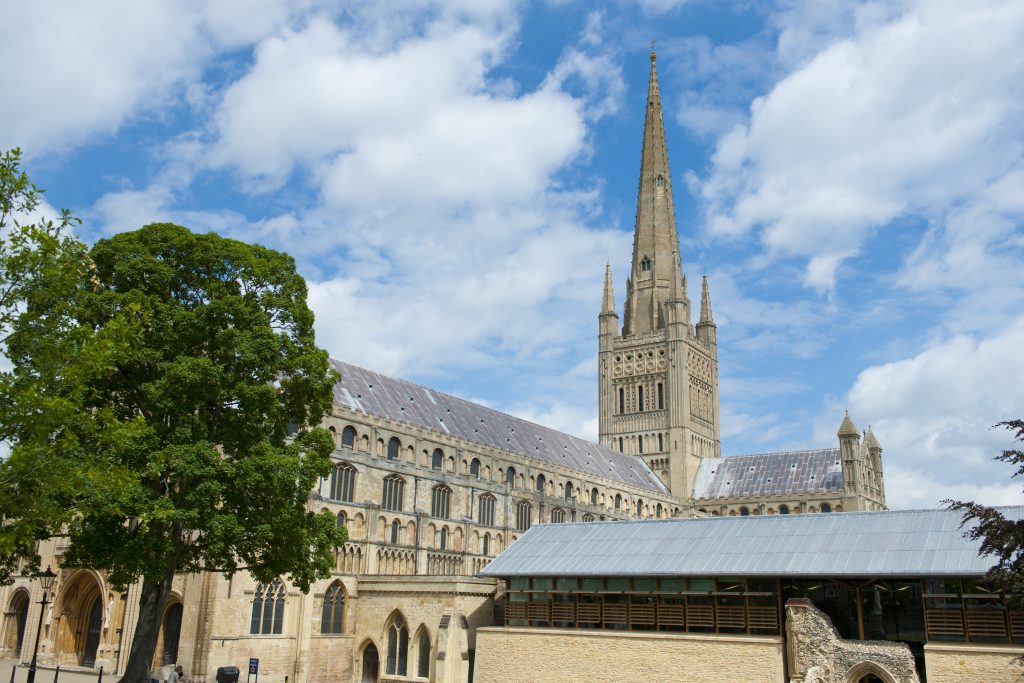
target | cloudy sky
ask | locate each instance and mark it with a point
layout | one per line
(452, 176)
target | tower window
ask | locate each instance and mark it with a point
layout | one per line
(640, 443)
(620, 445)
(640, 399)
(645, 264)
(661, 443)
(622, 402)
(661, 396)
(661, 182)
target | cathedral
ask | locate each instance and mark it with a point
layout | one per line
(432, 487)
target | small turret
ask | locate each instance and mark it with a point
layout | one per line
(707, 331)
(608, 319)
(849, 453)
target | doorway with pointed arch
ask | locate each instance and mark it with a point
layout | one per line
(80, 617)
(370, 664)
(15, 620)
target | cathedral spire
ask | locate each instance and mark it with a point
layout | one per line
(655, 241)
(608, 305)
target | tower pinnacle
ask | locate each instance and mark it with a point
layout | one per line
(705, 304)
(608, 305)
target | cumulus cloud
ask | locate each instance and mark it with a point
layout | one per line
(910, 114)
(934, 411)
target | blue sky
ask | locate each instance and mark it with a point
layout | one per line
(452, 176)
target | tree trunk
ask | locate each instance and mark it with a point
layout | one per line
(151, 610)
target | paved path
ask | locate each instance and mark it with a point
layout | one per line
(45, 674)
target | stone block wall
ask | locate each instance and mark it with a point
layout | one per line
(968, 663)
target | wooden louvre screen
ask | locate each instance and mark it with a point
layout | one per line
(700, 616)
(763, 619)
(986, 624)
(944, 624)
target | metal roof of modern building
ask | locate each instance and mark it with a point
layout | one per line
(372, 393)
(852, 544)
(767, 474)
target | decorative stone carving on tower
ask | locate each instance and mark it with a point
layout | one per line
(658, 377)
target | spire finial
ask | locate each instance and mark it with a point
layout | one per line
(608, 304)
(654, 55)
(706, 318)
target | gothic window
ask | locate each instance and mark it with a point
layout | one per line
(593, 496)
(744, 512)
(423, 668)
(332, 617)
(341, 519)
(485, 515)
(639, 508)
(622, 400)
(557, 516)
(268, 608)
(640, 399)
(437, 459)
(825, 507)
(783, 509)
(395, 528)
(618, 501)
(524, 515)
(645, 264)
(568, 490)
(474, 468)
(398, 647)
(394, 490)
(661, 443)
(510, 477)
(393, 446)
(440, 502)
(588, 517)
(348, 437)
(661, 396)
(444, 538)
(540, 482)
(343, 482)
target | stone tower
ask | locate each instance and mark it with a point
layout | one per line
(658, 376)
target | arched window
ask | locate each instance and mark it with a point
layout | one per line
(540, 482)
(394, 492)
(588, 517)
(510, 477)
(343, 482)
(268, 608)
(661, 396)
(640, 443)
(485, 514)
(593, 496)
(393, 447)
(658, 511)
(661, 182)
(825, 507)
(398, 647)
(437, 459)
(524, 515)
(341, 520)
(639, 507)
(783, 509)
(557, 516)
(744, 512)
(640, 399)
(440, 502)
(396, 527)
(622, 403)
(661, 443)
(485, 547)
(332, 618)
(568, 490)
(645, 264)
(474, 468)
(618, 501)
(444, 538)
(423, 668)
(348, 437)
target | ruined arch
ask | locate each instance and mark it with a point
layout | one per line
(868, 672)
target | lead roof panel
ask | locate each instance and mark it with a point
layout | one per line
(372, 393)
(767, 474)
(853, 544)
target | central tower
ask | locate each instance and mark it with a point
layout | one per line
(658, 375)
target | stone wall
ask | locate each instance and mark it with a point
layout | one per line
(818, 655)
(967, 663)
(525, 655)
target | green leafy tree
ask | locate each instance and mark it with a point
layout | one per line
(201, 447)
(1000, 537)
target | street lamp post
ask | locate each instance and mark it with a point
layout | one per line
(46, 581)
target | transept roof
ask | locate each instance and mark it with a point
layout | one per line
(767, 474)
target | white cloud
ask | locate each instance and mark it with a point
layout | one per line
(908, 115)
(933, 413)
(77, 70)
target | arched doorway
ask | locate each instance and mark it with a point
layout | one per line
(371, 664)
(869, 672)
(15, 620)
(79, 619)
(170, 633)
